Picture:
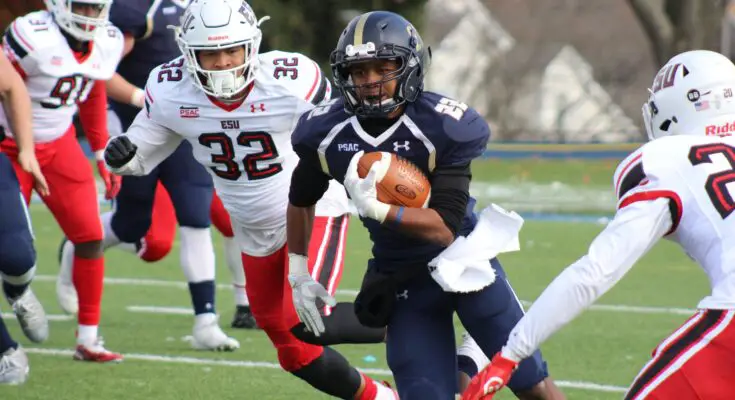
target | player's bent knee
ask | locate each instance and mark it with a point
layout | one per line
(130, 230)
(155, 250)
(293, 354)
(16, 256)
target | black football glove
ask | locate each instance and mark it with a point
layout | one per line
(120, 151)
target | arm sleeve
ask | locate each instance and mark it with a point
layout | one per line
(93, 116)
(632, 232)
(450, 192)
(308, 185)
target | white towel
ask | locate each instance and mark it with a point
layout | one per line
(464, 266)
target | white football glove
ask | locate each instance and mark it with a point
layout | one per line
(305, 291)
(363, 192)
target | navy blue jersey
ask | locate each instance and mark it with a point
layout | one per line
(433, 132)
(146, 21)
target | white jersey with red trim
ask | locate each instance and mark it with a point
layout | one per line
(246, 146)
(696, 174)
(56, 79)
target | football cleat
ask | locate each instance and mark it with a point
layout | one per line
(207, 335)
(66, 294)
(14, 367)
(31, 316)
(243, 318)
(94, 351)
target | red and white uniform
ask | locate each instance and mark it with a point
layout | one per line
(677, 187)
(246, 147)
(61, 82)
(57, 79)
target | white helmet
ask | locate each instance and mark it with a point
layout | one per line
(80, 27)
(692, 95)
(215, 25)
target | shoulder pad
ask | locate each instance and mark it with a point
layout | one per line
(110, 41)
(162, 81)
(299, 74)
(461, 123)
(465, 130)
(629, 173)
(642, 164)
(30, 33)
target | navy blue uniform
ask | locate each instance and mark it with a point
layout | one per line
(434, 133)
(186, 181)
(17, 254)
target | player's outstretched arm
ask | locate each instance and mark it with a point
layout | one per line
(633, 231)
(145, 145)
(18, 105)
(308, 185)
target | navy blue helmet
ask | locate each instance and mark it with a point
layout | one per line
(380, 35)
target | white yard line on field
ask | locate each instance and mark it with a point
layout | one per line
(50, 317)
(161, 310)
(348, 292)
(162, 283)
(261, 364)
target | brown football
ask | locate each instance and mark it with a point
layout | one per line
(400, 183)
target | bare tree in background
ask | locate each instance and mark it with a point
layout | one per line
(673, 26)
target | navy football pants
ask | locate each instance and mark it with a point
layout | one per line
(421, 347)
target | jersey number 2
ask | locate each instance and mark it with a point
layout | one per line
(717, 182)
(226, 158)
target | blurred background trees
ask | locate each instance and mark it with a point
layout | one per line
(673, 26)
(313, 26)
(308, 26)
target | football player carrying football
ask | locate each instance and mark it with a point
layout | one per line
(379, 66)
(676, 186)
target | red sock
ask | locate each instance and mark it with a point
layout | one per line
(370, 390)
(87, 276)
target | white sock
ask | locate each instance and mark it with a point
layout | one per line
(205, 319)
(384, 392)
(86, 334)
(471, 349)
(110, 239)
(234, 264)
(197, 254)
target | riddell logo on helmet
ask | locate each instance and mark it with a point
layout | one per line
(726, 129)
(219, 37)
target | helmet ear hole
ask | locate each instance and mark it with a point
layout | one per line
(665, 125)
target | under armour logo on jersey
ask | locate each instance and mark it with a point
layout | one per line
(404, 146)
(253, 108)
(403, 295)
